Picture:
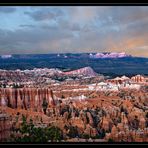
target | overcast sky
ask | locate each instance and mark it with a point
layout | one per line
(74, 29)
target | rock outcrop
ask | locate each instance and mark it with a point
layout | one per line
(5, 126)
(26, 98)
(138, 78)
(86, 71)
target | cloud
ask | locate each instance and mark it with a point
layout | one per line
(32, 40)
(44, 14)
(7, 9)
(27, 26)
(82, 14)
(78, 29)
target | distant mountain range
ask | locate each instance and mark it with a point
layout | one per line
(6, 56)
(111, 64)
(68, 55)
(109, 55)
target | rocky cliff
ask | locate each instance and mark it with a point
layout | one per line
(26, 98)
(138, 78)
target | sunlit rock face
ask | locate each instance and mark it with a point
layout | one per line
(138, 78)
(5, 126)
(86, 71)
(26, 98)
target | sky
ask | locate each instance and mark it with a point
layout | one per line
(74, 29)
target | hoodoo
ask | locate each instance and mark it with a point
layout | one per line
(26, 98)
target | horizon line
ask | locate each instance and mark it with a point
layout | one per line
(70, 53)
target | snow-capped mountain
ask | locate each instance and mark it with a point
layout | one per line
(6, 56)
(109, 55)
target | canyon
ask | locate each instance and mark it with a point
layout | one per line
(84, 105)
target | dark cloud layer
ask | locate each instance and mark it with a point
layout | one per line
(4, 9)
(44, 14)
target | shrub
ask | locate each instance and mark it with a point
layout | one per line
(30, 133)
(110, 140)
